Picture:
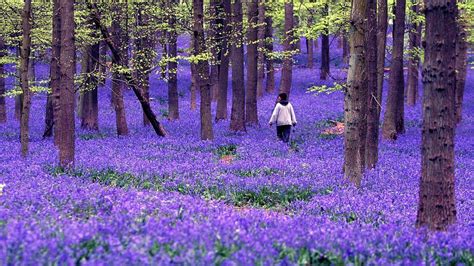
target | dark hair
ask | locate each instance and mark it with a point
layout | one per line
(283, 96)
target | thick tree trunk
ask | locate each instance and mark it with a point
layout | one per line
(90, 101)
(3, 110)
(461, 65)
(24, 77)
(382, 25)
(215, 36)
(437, 202)
(221, 112)
(414, 61)
(117, 57)
(120, 40)
(325, 50)
(355, 100)
(67, 69)
(393, 123)
(309, 46)
(261, 48)
(173, 97)
(251, 116)
(287, 68)
(55, 71)
(202, 68)
(372, 141)
(270, 82)
(237, 117)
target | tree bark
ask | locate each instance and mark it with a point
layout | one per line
(309, 46)
(251, 116)
(117, 57)
(173, 97)
(382, 25)
(215, 36)
(103, 62)
(270, 82)
(437, 202)
(120, 40)
(24, 77)
(261, 48)
(193, 86)
(67, 69)
(325, 49)
(90, 101)
(414, 61)
(393, 123)
(202, 69)
(221, 112)
(55, 71)
(355, 100)
(372, 141)
(3, 110)
(237, 117)
(461, 65)
(287, 68)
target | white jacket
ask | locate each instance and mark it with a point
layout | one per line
(283, 115)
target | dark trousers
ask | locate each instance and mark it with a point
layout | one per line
(283, 133)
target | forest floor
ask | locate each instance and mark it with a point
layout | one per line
(243, 198)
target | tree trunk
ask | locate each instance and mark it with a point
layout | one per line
(325, 49)
(120, 40)
(296, 36)
(355, 100)
(437, 202)
(67, 69)
(345, 49)
(117, 57)
(414, 61)
(215, 36)
(3, 110)
(193, 86)
(173, 98)
(372, 141)
(270, 83)
(461, 65)
(261, 48)
(393, 123)
(24, 82)
(103, 62)
(55, 71)
(202, 69)
(18, 98)
(251, 116)
(287, 68)
(310, 53)
(237, 117)
(221, 112)
(90, 104)
(382, 25)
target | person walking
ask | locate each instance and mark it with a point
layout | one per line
(284, 117)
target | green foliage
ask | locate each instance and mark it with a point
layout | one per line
(226, 150)
(270, 197)
(327, 90)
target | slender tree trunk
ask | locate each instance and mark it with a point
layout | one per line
(67, 69)
(3, 110)
(120, 40)
(251, 116)
(173, 98)
(215, 37)
(287, 68)
(414, 61)
(310, 53)
(270, 83)
(437, 202)
(18, 98)
(55, 72)
(90, 101)
(393, 123)
(297, 37)
(372, 141)
(325, 50)
(461, 65)
(382, 25)
(355, 100)
(237, 118)
(202, 68)
(261, 48)
(221, 112)
(193, 86)
(102, 62)
(24, 82)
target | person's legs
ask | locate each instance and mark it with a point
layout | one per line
(280, 132)
(286, 133)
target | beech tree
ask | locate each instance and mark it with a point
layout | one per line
(24, 77)
(90, 102)
(225, 29)
(173, 97)
(382, 25)
(261, 48)
(3, 109)
(437, 202)
(270, 70)
(461, 63)
(237, 117)
(414, 59)
(251, 116)
(287, 68)
(393, 123)
(325, 48)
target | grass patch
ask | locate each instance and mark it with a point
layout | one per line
(226, 150)
(270, 198)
